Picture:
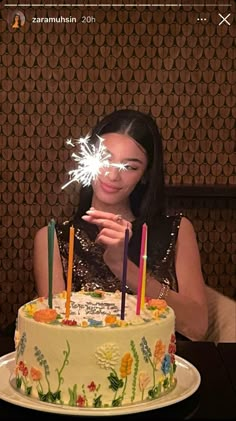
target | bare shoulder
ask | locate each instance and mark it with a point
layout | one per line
(186, 227)
(185, 223)
(41, 234)
(187, 251)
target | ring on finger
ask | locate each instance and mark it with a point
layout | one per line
(118, 219)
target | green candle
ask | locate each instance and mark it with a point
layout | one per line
(51, 227)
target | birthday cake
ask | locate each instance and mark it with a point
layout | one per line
(95, 358)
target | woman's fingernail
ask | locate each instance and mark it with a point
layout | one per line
(90, 211)
(92, 208)
(85, 217)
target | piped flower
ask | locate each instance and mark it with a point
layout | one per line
(46, 315)
(110, 319)
(35, 374)
(144, 380)
(156, 303)
(107, 355)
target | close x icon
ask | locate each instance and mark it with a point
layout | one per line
(224, 19)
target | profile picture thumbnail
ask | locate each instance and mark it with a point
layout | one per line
(16, 20)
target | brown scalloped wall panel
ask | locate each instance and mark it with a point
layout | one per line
(216, 234)
(58, 79)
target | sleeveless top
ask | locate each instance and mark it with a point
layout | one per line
(89, 270)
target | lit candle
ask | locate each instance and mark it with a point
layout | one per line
(144, 275)
(141, 267)
(69, 271)
(124, 274)
(51, 227)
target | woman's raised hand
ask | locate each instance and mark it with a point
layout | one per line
(111, 235)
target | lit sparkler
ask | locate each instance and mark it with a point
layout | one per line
(91, 159)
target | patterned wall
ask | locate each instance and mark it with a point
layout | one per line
(58, 79)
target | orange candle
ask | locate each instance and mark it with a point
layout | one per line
(69, 272)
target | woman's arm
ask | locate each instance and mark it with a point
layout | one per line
(190, 303)
(40, 264)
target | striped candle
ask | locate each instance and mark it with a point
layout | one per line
(142, 267)
(70, 269)
(144, 275)
(51, 229)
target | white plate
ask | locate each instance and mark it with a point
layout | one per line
(188, 381)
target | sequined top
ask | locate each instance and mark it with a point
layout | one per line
(89, 270)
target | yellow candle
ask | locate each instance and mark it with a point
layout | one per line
(69, 272)
(144, 274)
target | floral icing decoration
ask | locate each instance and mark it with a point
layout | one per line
(108, 358)
(107, 355)
(136, 365)
(68, 322)
(30, 309)
(95, 323)
(21, 345)
(36, 374)
(121, 323)
(126, 365)
(159, 353)
(45, 315)
(22, 379)
(144, 380)
(156, 303)
(159, 360)
(23, 375)
(166, 364)
(110, 319)
(129, 375)
(97, 293)
(63, 295)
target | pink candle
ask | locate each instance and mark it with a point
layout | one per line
(141, 267)
(51, 228)
(144, 277)
(70, 270)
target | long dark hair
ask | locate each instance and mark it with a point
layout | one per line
(147, 200)
(14, 19)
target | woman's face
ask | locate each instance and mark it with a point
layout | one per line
(113, 186)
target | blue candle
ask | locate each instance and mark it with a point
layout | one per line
(124, 274)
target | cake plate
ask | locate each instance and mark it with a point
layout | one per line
(188, 381)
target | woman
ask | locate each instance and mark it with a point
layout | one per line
(16, 24)
(118, 199)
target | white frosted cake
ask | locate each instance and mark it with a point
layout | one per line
(93, 358)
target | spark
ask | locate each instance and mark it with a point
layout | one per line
(70, 142)
(119, 165)
(91, 159)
